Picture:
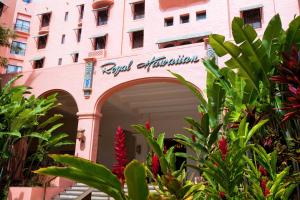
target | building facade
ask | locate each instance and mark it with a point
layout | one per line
(109, 59)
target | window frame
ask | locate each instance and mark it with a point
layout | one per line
(182, 18)
(63, 38)
(14, 48)
(137, 16)
(44, 22)
(39, 62)
(166, 21)
(98, 17)
(39, 46)
(19, 25)
(66, 16)
(254, 23)
(135, 44)
(95, 46)
(201, 13)
(19, 69)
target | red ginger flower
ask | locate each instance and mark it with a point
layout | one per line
(121, 155)
(263, 171)
(155, 165)
(263, 185)
(222, 195)
(147, 125)
(223, 147)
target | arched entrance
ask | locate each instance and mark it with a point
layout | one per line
(164, 104)
(68, 108)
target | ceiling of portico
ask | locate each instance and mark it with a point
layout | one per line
(155, 99)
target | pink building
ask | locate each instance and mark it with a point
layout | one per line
(108, 60)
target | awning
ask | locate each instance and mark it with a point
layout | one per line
(135, 1)
(135, 29)
(74, 52)
(99, 9)
(252, 7)
(98, 35)
(37, 58)
(183, 37)
(37, 36)
(48, 12)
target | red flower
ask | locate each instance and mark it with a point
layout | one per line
(155, 165)
(121, 155)
(263, 185)
(223, 147)
(222, 195)
(266, 192)
(263, 171)
(147, 125)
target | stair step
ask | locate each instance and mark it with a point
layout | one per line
(101, 198)
(72, 192)
(79, 188)
(67, 196)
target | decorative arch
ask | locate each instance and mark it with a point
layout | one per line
(108, 93)
(46, 93)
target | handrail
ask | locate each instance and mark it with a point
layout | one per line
(45, 186)
(85, 194)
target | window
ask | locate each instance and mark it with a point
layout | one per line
(39, 63)
(81, 11)
(1, 8)
(22, 25)
(27, 1)
(169, 21)
(102, 17)
(252, 17)
(137, 39)
(59, 61)
(42, 41)
(46, 19)
(139, 10)
(201, 15)
(75, 57)
(13, 69)
(18, 48)
(79, 34)
(66, 16)
(184, 19)
(63, 37)
(100, 43)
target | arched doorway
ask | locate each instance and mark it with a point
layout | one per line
(164, 104)
(68, 108)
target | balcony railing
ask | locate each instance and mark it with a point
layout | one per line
(97, 53)
(22, 28)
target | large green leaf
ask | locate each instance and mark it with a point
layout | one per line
(237, 59)
(293, 34)
(135, 175)
(90, 169)
(195, 91)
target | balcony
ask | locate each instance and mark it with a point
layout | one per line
(101, 53)
(44, 30)
(101, 3)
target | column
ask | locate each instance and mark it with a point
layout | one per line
(87, 136)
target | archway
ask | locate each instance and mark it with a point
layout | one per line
(164, 103)
(68, 108)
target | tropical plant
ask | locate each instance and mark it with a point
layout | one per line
(5, 36)
(21, 122)
(101, 178)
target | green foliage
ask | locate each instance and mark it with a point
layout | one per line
(22, 122)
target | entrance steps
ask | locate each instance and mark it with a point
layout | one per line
(79, 188)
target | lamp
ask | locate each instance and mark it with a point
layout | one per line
(80, 135)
